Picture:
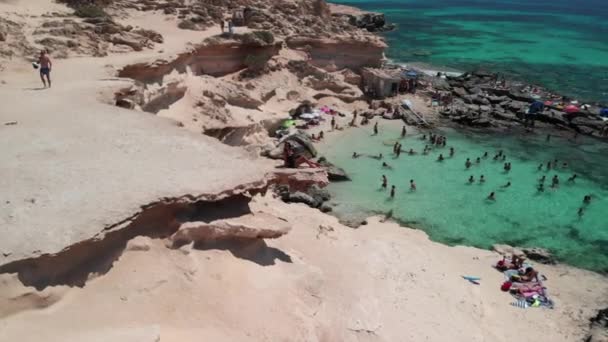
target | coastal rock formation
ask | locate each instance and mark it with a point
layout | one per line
(247, 227)
(339, 53)
(478, 101)
(540, 254)
(215, 58)
(598, 327)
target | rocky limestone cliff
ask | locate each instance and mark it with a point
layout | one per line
(340, 53)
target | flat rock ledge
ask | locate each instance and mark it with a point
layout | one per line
(247, 227)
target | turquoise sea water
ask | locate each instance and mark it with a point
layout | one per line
(453, 211)
(560, 44)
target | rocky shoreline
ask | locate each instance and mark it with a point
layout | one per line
(480, 100)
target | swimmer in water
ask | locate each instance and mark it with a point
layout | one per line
(541, 187)
(411, 152)
(440, 158)
(386, 166)
(393, 191)
(451, 151)
(378, 157)
(356, 155)
(426, 150)
(403, 132)
(424, 137)
(478, 160)
(506, 185)
(496, 157)
(485, 155)
(482, 179)
(571, 179)
(471, 179)
(542, 179)
(540, 167)
(548, 165)
(412, 185)
(564, 165)
(504, 157)
(492, 197)
(467, 164)
(555, 182)
(587, 199)
(384, 182)
(581, 211)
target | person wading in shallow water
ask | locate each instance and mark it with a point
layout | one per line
(376, 128)
(403, 132)
(384, 182)
(393, 191)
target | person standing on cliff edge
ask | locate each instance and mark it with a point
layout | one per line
(45, 68)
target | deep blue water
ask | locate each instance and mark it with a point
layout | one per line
(560, 44)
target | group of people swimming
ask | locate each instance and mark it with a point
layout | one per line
(384, 186)
(441, 141)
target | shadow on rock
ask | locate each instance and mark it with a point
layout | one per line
(256, 251)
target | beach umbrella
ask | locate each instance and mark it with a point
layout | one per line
(571, 109)
(604, 113)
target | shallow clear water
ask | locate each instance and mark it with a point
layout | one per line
(561, 44)
(453, 211)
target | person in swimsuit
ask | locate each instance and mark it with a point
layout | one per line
(384, 182)
(467, 164)
(471, 179)
(393, 191)
(571, 179)
(451, 151)
(403, 132)
(506, 185)
(356, 155)
(412, 185)
(440, 158)
(376, 128)
(45, 68)
(492, 197)
(482, 179)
